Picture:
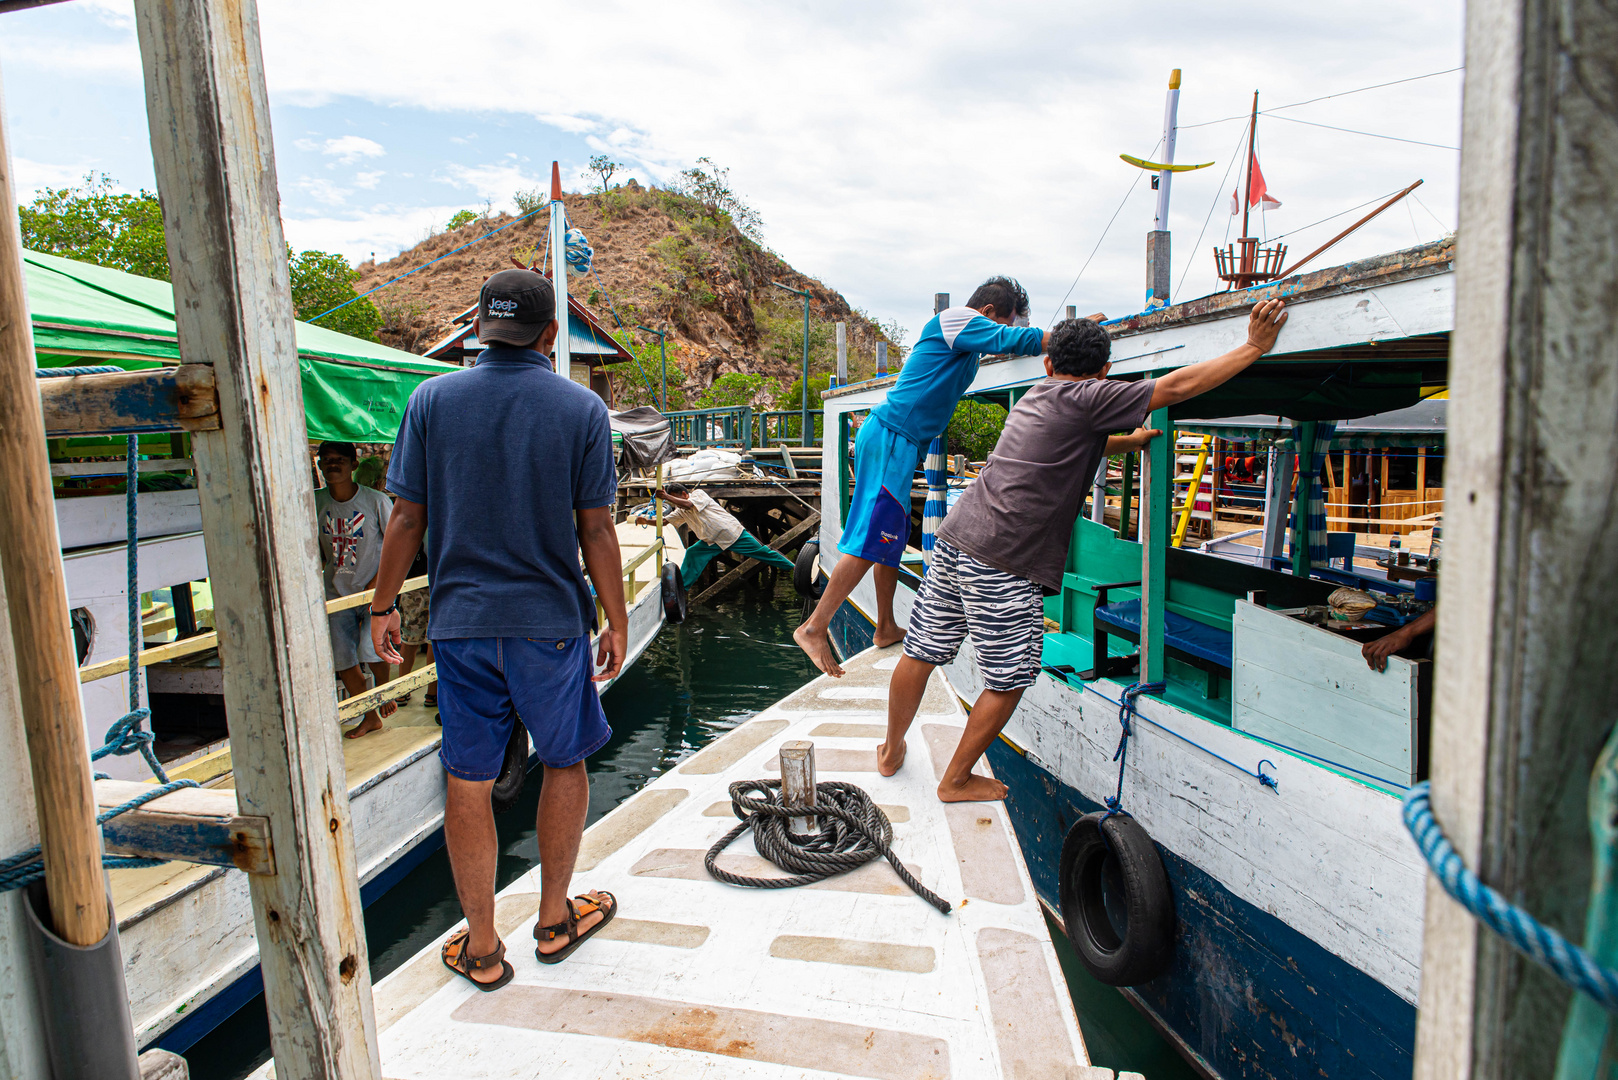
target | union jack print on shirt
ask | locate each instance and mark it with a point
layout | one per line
(346, 534)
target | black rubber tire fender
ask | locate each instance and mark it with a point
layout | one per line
(1116, 901)
(675, 601)
(513, 770)
(804, 578)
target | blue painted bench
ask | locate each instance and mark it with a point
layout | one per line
(1203, 646)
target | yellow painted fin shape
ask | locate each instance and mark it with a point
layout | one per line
(1158, 166)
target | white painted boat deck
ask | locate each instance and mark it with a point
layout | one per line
(854, 976)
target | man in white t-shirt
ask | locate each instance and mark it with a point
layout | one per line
(350, 519)
(716, 529)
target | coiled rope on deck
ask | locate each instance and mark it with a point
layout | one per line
(853, 831)
(1521, 930)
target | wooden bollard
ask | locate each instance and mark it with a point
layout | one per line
(798, 784)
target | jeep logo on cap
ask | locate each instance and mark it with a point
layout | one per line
(503, 309)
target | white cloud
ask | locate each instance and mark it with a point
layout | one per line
(32, 177)
(492, 182)
(383, 230)
(350, 148)
(323, 190)
(906, 148)
(367, 181)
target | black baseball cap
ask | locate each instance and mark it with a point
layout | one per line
(514, 307)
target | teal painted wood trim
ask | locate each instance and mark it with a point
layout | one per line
(844, 468)
(1157, 488)
(1300, 500)
(1128, 496)
(1589, 1048)
(241, 842)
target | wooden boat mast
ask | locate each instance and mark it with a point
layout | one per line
(1252, 146)
(563, 353)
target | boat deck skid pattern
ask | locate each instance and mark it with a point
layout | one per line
(854, 976)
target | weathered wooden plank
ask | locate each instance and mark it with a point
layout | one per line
(203, 642)
(180, 398)
(1157, 487)
(360, 704)
(36, 598)
(1341, 731)
(1330, 664)
(196, 825)
(213, 155)
(1525, 683)
(734, 577)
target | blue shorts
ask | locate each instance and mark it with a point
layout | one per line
(486, 684)
(351, 643)
(877, 525)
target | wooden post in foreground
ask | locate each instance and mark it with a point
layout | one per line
(36, 593)
(210, 128)
(1525, 682)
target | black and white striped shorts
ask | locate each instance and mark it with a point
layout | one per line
(1004, 613)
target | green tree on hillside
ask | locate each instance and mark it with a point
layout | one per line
(709, 184)
(95, 224)
(792, 401)
(974, 429)
(731, 390)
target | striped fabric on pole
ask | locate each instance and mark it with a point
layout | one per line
(1325, 431)
(932, 512)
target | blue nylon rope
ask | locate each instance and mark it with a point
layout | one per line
(1521, 930)
(1257, 773)
(62, 372)
(125, 735)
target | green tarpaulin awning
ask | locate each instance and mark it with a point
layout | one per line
(83, 314)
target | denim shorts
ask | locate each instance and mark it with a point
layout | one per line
(351, 638)
(485, 685)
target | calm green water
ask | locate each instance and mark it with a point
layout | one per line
(694, 683)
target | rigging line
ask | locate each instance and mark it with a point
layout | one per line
(1220, 190)
(1327, 97)
(1057, 313)
(1372, 134)
(425, 265)
(1447, 230)
(1323, 220)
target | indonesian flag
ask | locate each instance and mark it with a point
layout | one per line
(1257, 194)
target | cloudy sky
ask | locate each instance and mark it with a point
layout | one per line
(893, 149)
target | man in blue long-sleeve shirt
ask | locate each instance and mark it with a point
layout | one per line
(890, 444)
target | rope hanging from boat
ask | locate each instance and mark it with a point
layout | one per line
(853, 831)
(1525, 933)
(125, 735)
(1257, 772)
(1126, 713)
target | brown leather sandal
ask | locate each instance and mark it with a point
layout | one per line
(604, 902)
(456, 959)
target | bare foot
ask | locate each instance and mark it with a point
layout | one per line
(386, 709)
(818, 646)
(976, 789)
(889, 634)
(562, 941)
(889, 762)
(369, 724)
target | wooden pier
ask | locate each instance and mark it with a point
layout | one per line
(853, 976)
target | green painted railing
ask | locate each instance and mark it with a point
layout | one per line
(740, 427)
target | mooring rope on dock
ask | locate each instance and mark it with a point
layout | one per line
(853, 831)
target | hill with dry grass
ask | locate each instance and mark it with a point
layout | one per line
(662, 259)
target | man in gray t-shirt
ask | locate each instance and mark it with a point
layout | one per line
(1002, 548)
(349, 520)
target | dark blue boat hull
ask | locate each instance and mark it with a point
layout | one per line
(1247, 995)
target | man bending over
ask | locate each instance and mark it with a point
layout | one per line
(892, 440)
(716, 530)
(510, 614)
(1001, 551)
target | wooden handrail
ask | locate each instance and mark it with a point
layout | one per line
(203, 642)
(654, 547)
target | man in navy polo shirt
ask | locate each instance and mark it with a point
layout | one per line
(511, 465)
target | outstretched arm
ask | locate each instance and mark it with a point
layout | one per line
(1135, 440)
(1182, 384)
(598, 540)
(406, 527)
